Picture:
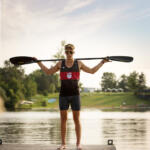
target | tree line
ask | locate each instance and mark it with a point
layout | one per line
(133, 82)
(15, 85)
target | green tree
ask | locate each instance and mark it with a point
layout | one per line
(60, 53)
(3, 94)
(108, 80)
(41, 80)
(52, 88)
(141, 81)
(46, 83)
(133, 81)
(11, 81)
(123, 82)
(30, 87)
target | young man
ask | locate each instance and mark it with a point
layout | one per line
(69, 92)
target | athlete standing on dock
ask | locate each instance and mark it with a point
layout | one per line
(69, 92)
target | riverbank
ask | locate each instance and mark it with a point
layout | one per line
(100, 100)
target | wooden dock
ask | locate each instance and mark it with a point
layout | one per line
(53, 147)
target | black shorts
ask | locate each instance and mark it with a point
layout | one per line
(65, 101)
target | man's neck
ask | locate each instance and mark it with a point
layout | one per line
(70, 59)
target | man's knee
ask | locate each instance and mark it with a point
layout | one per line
(76, 117)
(63, 116)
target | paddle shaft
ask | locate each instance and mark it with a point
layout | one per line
(75, 58)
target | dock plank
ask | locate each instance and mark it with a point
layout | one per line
(53, 147)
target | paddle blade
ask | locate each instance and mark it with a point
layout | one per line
(21, 60)
(121, 58)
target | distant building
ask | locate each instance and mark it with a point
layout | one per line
(114, 90)
(88, 89)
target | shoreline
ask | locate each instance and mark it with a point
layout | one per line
(119, 109)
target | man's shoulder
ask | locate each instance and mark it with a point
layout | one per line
(79, 63)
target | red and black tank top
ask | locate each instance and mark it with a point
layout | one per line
(69, 79)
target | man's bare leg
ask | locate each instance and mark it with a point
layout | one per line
(63, 115)
(76, 118)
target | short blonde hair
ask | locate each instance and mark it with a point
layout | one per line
(70, 46)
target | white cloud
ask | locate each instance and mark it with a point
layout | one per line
(73, 5)
(19, 21)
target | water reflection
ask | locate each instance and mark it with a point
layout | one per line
(129, 130)
(127, 133)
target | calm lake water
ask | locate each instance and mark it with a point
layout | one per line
(129, 130)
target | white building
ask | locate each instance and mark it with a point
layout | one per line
(88, 89)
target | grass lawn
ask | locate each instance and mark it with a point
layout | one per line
(112, 100)
(91, 100)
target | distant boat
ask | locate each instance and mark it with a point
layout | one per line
(26, 102)
(52, 100)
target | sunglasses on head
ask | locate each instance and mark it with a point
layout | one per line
(69, 52)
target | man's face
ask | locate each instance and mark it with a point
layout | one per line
(69, 53)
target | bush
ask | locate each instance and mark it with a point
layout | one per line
(44, 103)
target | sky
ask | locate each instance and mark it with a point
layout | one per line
(97, 28)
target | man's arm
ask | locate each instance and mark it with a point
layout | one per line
(94, 69)
(51, 70)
